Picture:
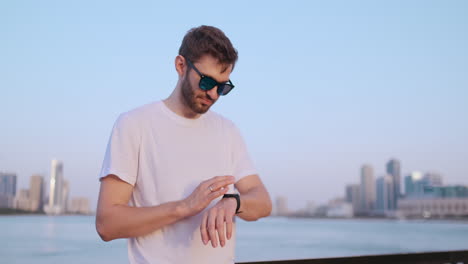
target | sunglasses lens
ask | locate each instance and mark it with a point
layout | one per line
(207, 83)
(224, 89)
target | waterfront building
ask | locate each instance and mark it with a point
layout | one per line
(394, 169)
(7, 189)
(367, 189)
(432, 179)
(429, 185)
(385, 194)
(22, 201)
(36, 192)
(65, 194)
(414, 185)
(353, 196)
(54, 205)
(433, 207)
(452, 191)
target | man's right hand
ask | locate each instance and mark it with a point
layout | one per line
(206, 192)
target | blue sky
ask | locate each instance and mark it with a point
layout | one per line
(321, 87)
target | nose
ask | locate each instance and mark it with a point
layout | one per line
(213, 93)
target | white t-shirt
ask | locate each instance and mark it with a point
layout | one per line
(165, 157)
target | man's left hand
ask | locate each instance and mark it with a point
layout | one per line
(217, 222)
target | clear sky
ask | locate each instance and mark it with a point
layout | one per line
(322, 87)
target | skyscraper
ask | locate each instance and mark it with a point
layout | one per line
(414, 185)
(54, 205)
(385, 193)
(7, 189)
(433, 179)
(8, 183)
(394, 169)
(353, 196)
(36, 192)
(22, 201)
(367, 189)
(65, 193)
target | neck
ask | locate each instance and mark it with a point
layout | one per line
(175, 102)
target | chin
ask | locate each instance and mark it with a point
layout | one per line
(202, 110)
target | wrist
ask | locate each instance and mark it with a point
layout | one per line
(182, 209)
(236, 198)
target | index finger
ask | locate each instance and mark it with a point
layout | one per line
(217, 179)
(220, 185)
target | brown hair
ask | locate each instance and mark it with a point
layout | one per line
(208, 40)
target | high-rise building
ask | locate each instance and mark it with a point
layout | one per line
(353, 196)
(22, 201)
(433, 179)
(385, 193)
(8, 183)
(54, 206)
(367, 189)
(282, 206)
(36, 192)
(414, 185)
(394, 169)
(65, 193)
(7, 189)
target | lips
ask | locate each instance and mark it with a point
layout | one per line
(205, 101)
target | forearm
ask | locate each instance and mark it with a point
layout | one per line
(123, 221)
(255, 204)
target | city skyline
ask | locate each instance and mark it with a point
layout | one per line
(364, 169)
(54, 200)
(425, 196)
(321, 87)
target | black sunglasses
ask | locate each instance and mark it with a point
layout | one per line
(207, 83)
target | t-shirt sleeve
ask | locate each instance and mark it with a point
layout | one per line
(242, 164)
(121, 158)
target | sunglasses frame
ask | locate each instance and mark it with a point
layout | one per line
(203, 78)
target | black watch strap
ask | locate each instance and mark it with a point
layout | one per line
(237, 197)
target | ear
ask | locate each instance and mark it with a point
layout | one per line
(180, 65)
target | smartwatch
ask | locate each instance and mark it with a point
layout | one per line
(237, 197)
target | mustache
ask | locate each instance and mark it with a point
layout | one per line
(207, 97)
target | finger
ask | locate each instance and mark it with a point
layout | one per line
(203, 231)
(211, 225)
(220, 228)
(222, 184)
(219, 179)
(228, 220)
(213, 195)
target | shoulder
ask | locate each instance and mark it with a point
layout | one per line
(143, 111)
(221, 120)
(134, 118)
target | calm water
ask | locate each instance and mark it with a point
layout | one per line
(72, 239)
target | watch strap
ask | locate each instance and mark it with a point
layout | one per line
(237, 197)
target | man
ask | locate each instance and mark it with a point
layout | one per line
(166, 179)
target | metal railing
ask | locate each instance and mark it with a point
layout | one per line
(442, 257)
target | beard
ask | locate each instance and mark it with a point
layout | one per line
(190, 98)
